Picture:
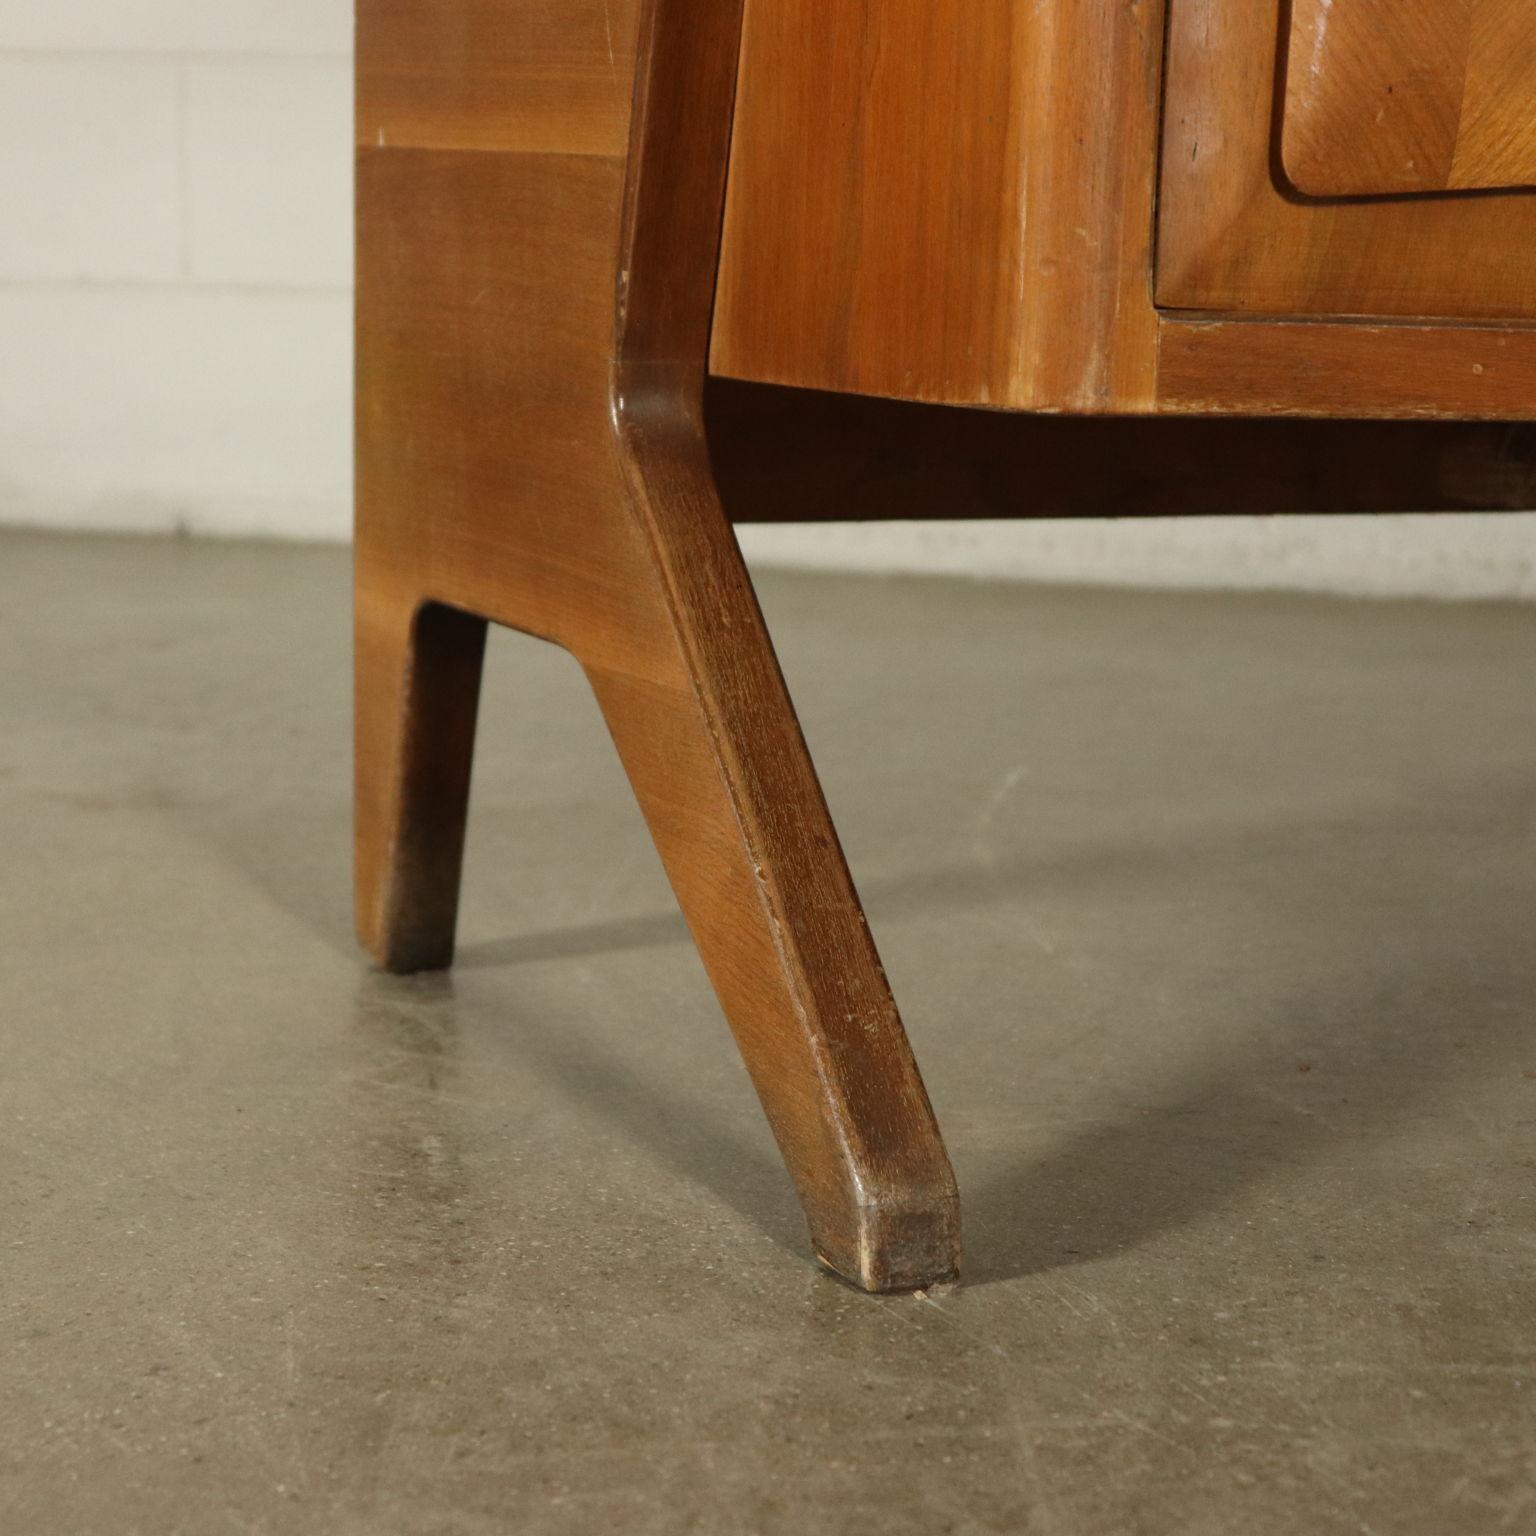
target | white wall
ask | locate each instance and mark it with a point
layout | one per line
(175, 313)
(1472, 555)
(175, 264)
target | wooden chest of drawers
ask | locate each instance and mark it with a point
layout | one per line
(585, 349)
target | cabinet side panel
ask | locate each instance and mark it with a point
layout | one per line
(549, 76)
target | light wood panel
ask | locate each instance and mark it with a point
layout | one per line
(538, 75)
(1265, 367)
(948, 200)
(1404, 96)
(1233, 237)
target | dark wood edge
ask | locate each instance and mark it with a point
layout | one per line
(792, 455)
(893, 1223)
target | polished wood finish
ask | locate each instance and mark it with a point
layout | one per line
(533, 317)
(1233, 236)
(915, 212)
(551, 75)
(1401, 96)
(1464, 373)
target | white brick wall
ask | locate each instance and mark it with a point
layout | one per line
(89, 177)
(289, 28)
(269, 172)
(175, 262)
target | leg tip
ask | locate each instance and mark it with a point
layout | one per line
(896, 1248)
(403, 958)
(406, 954)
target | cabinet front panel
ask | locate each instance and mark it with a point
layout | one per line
(1389, 97)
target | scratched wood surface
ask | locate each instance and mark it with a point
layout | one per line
(1404, 96)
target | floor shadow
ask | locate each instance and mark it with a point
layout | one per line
(1436, 998)
(648, 930)
(1122, 1180)
(685, 1130)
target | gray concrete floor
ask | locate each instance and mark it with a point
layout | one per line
(1212, 921)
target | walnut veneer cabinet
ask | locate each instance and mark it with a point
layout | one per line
(632, 270)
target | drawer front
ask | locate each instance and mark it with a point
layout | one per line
(1246, 139)
(1390, 97)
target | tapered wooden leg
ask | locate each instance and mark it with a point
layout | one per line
(741, 826)
(416, 691)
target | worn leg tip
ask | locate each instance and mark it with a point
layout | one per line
(406, 953)
(896, 1249)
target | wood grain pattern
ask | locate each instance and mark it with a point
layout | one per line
(1233, 237)
(1404, 96)
(948, 201)
(549, 75)
(529, 456)
(1461, 373)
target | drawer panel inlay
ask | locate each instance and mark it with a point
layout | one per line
(1390, 97)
